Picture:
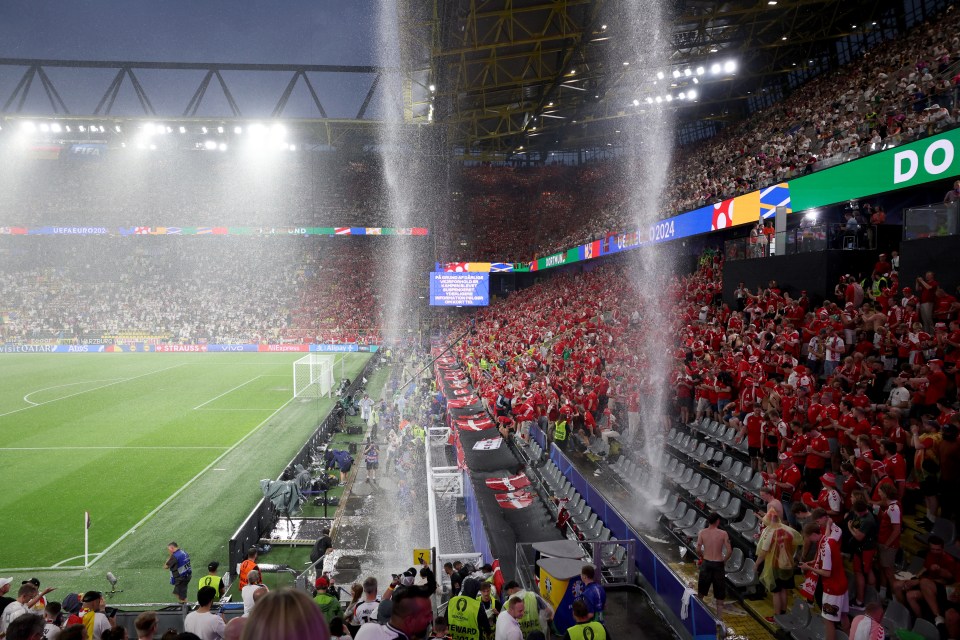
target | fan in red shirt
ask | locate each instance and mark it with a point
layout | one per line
(753, 429)
(828, 565)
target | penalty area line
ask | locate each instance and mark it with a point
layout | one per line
(242, 384)
(189, 482)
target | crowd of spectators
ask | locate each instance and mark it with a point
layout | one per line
(848, 406)
(192, 290)
(900, 91)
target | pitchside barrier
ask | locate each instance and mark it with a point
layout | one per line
(264, 516)
(100, 346)
(665, 587)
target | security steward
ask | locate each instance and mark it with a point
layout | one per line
(560, 433)
(180, 572)
(585, 628)
(212, 579)
(467, 619)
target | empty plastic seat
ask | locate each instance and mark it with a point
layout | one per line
(687, 520)
(746, 576)
(735, 470)
(735, 561)
(797, 618)
(944, 528)
(604, 534)
(670, 504)
(731, 511)
(725, 465)
(677, 473)
(926, 629)
(713, 492)
(699, 451)
(896, 617)
(720, 502)
(694, 530)
(748, 523)
(685, 478)
(702, 489)
(678, 513)
(693, 482)
(755, 483)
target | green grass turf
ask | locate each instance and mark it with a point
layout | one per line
(156, 446)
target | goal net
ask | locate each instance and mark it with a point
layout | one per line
(313, 376)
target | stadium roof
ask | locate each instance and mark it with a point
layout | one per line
(491, 79)
(546, 74)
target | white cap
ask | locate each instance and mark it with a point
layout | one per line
(5, 581)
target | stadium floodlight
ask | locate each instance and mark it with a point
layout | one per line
(82, 128)
(203, 129)
(636, 102)
(293, 147)
(692, 94)
(55, 127)
(676, 73)
(730, 66)
(626, 63)
(696, 81)
(238, 130)
(223, 146)
(669, 98)
(682, 96)
(715, 68)
(687, 72)
(219, 129)
(649, 100)
(279, 131)
(659, 75)
(44, 127)
(313, 376)
(433, 88)
(210, 145)
(149, 128)
(700, 71)
(183, 129)
(28, 127)
(659, 99)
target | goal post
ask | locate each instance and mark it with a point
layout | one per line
(313, 376)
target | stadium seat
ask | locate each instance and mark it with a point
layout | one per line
(687, 521)
(725, 465)
(731, 511)
(734, 470)
(701, 489)
(747, 575)
(797, 618)
(583, 517)
(672, 435)
(678, 513)
(699, 451)
(604, 534)
(748, 523)
(720, 502)
(895, 617)
(735, 561)
(745, 477)
(695, 480)
(671, 465)
(944, 528)
(926, 629)
(685, 478)
(712, 494)
(677, 474)
(755, 483)
(694, 530)
(670, 504)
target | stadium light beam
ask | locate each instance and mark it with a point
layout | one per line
(715, 68)
(730, 66)
(701, 71)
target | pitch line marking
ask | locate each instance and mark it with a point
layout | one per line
(242, 384)
(26, 398)
(147, 447)
(60, 564)
(189, 482)
(104, 386)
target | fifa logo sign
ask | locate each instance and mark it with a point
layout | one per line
(937, 159)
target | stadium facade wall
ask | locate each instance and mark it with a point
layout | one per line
(815, 273)
(931, 254)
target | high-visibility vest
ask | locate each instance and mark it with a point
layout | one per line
(587, 631)
(560, 431)
(531, 614)
(462, 613)
(211, 581)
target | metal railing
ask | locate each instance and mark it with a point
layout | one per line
(804, 239)
(931, 221)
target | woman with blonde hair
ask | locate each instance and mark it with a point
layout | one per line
(776, 551)
(286, 614)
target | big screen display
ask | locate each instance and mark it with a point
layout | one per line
(459, 289)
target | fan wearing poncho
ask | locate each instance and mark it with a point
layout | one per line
(776, 550)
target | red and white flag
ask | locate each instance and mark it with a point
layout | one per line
(519, 500)
(511, 483)
(475, 425)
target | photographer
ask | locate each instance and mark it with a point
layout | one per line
(180, 572)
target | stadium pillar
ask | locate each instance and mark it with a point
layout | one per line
(780, 231)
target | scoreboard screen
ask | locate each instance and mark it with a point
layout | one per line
(459, 289)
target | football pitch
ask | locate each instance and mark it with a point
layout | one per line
(157, 447)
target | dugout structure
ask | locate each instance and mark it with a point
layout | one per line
(313, 376)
